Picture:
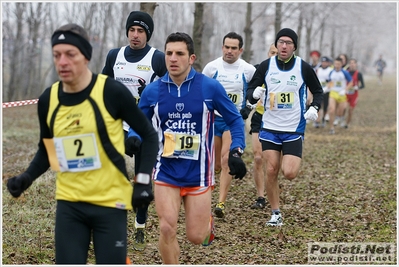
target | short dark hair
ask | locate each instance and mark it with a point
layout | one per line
(339, 59)
(181, 37)
(234, 35)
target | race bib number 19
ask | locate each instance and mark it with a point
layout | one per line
(178, 145)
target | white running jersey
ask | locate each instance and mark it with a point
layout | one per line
(129, 73)
(338, 80)
(234, 78)
(324, 76)
(285, 98)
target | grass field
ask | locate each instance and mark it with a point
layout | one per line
(346, 192)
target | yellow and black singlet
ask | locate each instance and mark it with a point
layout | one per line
(91, 143)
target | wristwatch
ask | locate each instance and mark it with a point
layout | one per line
(316, 107)
(240, 151)
(142, 178)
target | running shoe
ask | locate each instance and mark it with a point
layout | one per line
(211, 235)
(276, 220)
(140, 239)
(220, 210)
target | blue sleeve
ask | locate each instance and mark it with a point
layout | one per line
(212, 89)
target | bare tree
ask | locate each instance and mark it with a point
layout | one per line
(35, 19)
(299, 30)
(15, 83)
(247, 54)
(198, 29)
(278, 17)
(148, 8)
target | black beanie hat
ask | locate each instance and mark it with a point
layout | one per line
(75, 35)
(287, 32)
(140, 19)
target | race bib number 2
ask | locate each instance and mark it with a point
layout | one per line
(77, 153)
(179, 145)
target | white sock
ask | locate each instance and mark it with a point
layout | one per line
(138, 225)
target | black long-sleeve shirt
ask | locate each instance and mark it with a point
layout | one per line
(119, 102)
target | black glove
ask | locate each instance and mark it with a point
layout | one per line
(236, 164)
(18, 184)
(245, 112)
(142, 195)
(141, 88)
(132, 145)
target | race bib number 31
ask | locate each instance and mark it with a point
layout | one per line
(282, 100)
(77, 153)
(178, 145)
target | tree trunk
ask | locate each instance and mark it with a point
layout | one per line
(277, 21)
(247, 54)
(148, 8)
(198, 29)
(299, 33)
(15, 66)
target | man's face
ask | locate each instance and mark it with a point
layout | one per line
(325, 64)
(231, 50)
(272, 51)
(352, 65)
(315, 58)
(178, 61)
(285, 47)
(337, 65)
(137, 37)
(69, 62)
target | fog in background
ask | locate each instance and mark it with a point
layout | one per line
(362, 30)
